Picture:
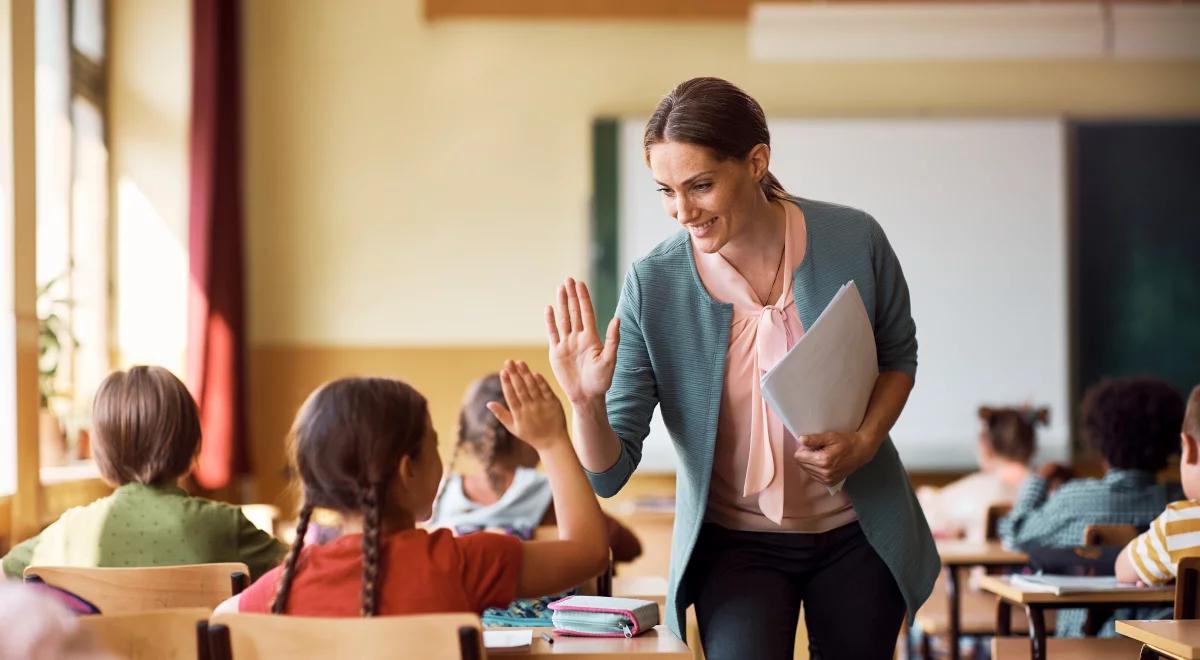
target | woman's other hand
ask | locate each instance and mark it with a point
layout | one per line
(584, 367)
(533, 413)
(832, 456)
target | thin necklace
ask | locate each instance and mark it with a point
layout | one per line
(778, 269)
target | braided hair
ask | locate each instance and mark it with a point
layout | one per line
(347, 442)
(480, 433)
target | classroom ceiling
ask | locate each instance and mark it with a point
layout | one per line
(647, 9)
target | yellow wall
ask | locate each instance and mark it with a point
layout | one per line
(149, 130)
(412, 183)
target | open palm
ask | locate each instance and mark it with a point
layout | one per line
(583, 366)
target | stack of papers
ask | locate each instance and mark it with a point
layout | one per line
(1070, 584)
(825, 381)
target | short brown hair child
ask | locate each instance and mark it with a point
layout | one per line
(146, 426)
(147, 431)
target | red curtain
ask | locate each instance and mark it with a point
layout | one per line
(215, 296)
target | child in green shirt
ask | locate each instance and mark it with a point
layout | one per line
(146, 432)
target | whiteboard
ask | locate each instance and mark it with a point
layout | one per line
(976, 212)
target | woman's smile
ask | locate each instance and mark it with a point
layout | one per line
(701, 230)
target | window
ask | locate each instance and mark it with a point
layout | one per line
(73, 232)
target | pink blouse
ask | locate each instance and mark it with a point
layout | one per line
(756, 485)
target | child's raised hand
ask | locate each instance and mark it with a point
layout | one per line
(533, 413)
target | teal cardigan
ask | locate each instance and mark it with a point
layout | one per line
(672, 353)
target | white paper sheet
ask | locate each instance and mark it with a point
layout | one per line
(825, 381)
(507, 639)
(1071, 584)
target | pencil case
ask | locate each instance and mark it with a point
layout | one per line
(601, 616)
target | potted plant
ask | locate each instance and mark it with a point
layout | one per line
(54, 334)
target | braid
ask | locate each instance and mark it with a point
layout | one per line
(370, 549)
(289, 563)
(493, 435)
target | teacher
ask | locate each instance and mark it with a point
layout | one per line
(700, 319)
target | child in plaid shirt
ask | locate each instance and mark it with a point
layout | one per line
(1153, 558)
(1133, 423)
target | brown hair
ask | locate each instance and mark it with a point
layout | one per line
(1010, 431)
(347, 440)
(1191, 417)
(146, 426)
(480, 432)
(713, 113)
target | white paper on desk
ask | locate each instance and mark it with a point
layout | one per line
(1071, 584)
(825, 381)
(507, 639)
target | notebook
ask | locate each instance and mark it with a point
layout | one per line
(1071, 584)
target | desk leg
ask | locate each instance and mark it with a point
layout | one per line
(1037, 631)
(1003, 618)
(955, 611)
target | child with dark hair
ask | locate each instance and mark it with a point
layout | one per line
(146, 433)
(1007, 442)
(366, 448)
(1153, 557)
(1134, 424)
(505, 491)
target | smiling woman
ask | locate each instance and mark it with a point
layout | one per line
(701, 318)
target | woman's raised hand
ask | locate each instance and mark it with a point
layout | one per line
(584, 367)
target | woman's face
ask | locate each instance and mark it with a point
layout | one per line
(713, 199)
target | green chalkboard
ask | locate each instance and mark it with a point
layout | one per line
(603, 279)
(1136, 265)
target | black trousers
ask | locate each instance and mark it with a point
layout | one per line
(748, 588)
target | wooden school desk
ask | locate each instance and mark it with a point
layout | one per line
(1036, 603)
(643, 587)
(1174, 638)
(959, 555)
(656, 644)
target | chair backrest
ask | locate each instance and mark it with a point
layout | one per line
(1187, 589)
(991, 525)
(1109, 534)
(179, 634)
(261, 636)
(118, 590)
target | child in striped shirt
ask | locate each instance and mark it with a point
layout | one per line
(1153, 557)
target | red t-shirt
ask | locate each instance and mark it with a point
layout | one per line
(419, 572)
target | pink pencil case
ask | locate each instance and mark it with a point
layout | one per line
(602, 616)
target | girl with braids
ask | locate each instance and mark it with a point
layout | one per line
(365, 447)
(506, 491)
(1007, 443)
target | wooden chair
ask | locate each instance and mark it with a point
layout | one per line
(1109, 534)
(180, 634)
(1187, 597)
(1187, 589)
(991, 528)
(261, 636)
(119, 590)
(1094, 535)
